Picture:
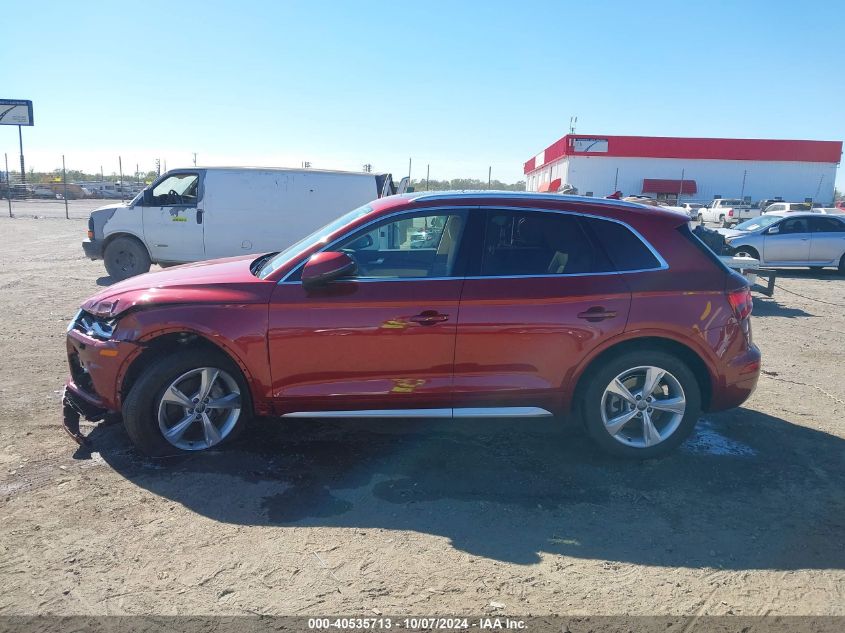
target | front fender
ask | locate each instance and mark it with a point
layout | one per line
(239, 331)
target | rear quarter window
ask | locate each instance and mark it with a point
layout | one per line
(625, 249)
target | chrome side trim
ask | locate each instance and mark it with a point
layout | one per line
(460, 412)
(663, 265)
(500, 412)
(374, 413)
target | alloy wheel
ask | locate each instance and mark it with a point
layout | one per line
(643, 406)
(199, 408)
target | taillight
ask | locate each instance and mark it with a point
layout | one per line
(741, 302)
(730, 213)
(90, 228)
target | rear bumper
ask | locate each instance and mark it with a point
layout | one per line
(739, 380)
(93, 249)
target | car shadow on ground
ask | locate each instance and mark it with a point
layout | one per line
(772, 308)
(106, 281)
(748, 491)
(825, 274)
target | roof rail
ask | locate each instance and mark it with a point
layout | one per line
(522, 195)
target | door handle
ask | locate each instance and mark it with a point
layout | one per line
(597, 313)
(199, 216)
(429, 317)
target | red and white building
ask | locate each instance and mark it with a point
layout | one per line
(699, 169)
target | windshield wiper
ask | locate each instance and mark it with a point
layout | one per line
(256, 266)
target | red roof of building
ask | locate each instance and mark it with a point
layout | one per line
(694, 148)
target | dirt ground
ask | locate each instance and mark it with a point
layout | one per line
(418, 518)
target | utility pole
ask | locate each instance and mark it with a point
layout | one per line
(489, 176)
(23, 169)
(8, 185)
(409, 172)
(818, 189)
(742, 192)
(120, 167)
(195, 159)
(427, 173)
(64, 180)
(572, 121)
(681, 187)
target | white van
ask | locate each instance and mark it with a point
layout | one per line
(188, 215)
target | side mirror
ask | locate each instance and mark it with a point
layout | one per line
(773, 231)
(147, 200)
(326, 266)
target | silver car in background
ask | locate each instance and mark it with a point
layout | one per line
(784, 239)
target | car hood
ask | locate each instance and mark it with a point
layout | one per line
(215, 281)
(731, 232)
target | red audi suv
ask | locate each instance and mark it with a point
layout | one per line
(431, 305)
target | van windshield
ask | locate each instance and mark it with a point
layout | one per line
(319, 236)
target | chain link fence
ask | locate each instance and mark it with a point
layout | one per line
(65, 193)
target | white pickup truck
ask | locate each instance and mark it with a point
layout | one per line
(727, 212)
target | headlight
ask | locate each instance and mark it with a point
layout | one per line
(74, 320)
(96, 327)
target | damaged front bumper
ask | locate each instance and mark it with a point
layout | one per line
(75, 407)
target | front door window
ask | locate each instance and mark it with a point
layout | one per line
(407, 248)
(176, 189)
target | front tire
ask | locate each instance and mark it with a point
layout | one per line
(842, 265)
(186, 402)
(641, 404)
(746, 251)
(126, 257)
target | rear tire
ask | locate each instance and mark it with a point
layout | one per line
(724, 222)
(631, 426)
(126, 257)
(700, 219)
(152, 405)
(842, 265)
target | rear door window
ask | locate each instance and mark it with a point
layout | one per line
(529, 243)
(826, 225)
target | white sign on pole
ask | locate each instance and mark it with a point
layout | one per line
(15, 112)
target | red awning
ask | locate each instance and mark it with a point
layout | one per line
(662, 185)
(552, 186)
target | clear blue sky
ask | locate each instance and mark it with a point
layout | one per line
(459, 85)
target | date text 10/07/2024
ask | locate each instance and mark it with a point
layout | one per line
(421, 623)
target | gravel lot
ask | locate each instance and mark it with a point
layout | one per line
(417, 518)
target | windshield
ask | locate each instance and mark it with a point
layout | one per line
(757, 223)
(317, 237)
